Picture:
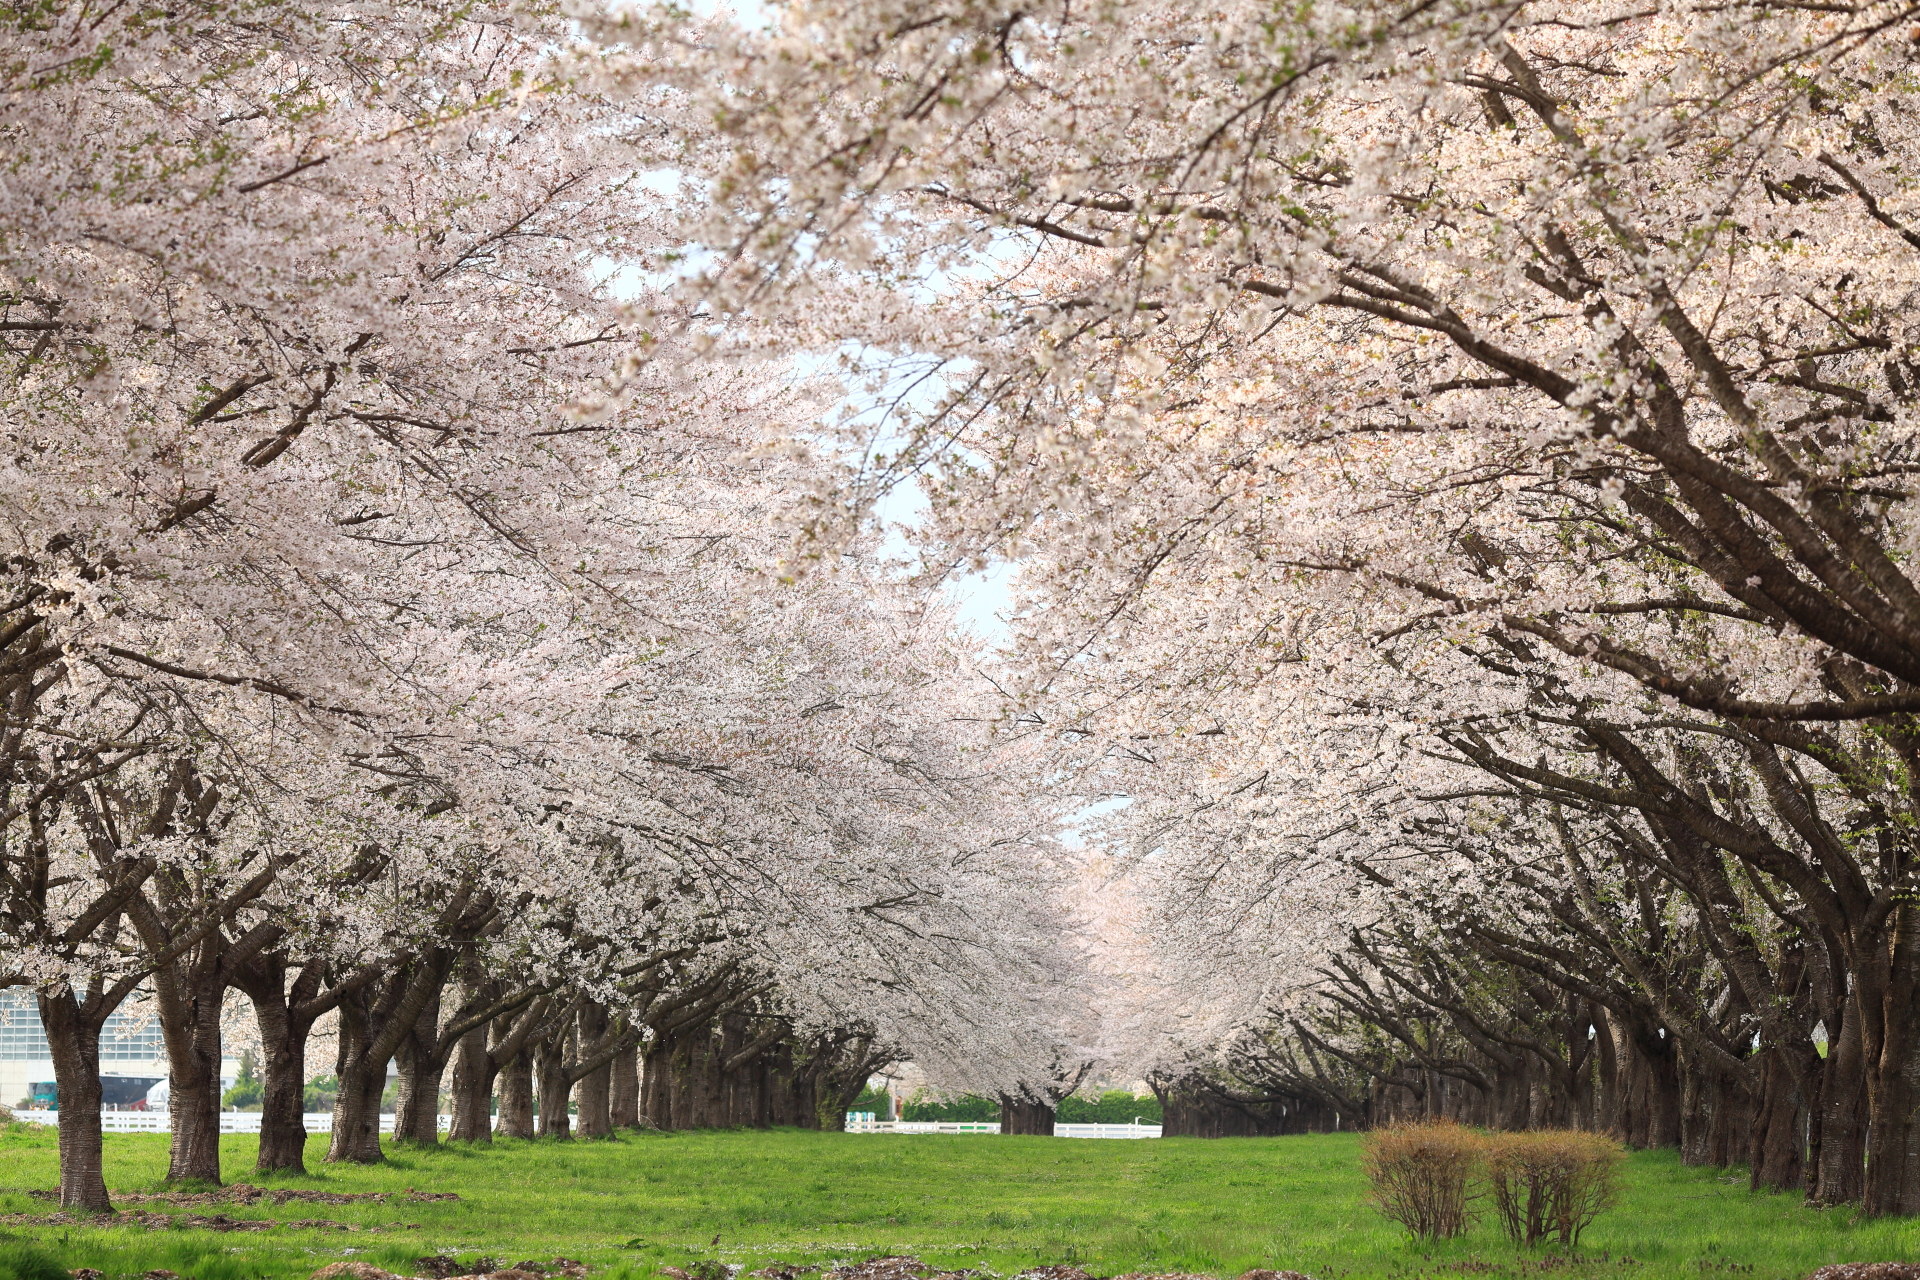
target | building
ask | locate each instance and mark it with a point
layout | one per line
(133, 1057)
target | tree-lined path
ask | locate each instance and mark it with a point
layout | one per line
(1452, 466)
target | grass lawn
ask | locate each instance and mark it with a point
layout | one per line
(963, 1201)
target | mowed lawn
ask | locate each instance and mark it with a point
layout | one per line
(997, 1204)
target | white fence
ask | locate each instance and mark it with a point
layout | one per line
(860, 1122)
(1106, 1130)
(864, 1122)
(322, 1122)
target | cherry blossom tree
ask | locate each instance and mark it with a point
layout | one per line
(370, 652)
(1458, 463)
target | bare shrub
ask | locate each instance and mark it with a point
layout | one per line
(1423, 1176)
(1551, 1183)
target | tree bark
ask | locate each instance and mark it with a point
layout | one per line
(283, 1062)
(473, 1077)
(1608, 1118)
(362, 1076)
(624, 1104)
(1893, 1138)
(516, 1096)
(189, 1000)
(1025, 1116)
(1662, 1088)
(1839, 1173)
(286, 1010)
(374, 1020)
(556, 1086)
(416, 1119)
(1775, 1158)
(73, 1038)
(596, 1085)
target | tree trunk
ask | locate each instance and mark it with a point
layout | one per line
(1608, 1118)
(1021, 1115)
(624, 1103)
(416, 1119)
(74, 1042)
(1893, 1138)
(1661, 1084)
(190, 1024)
(516, 1096)
(283, 1069)
(363, 1078)
(473, 1076)
(1730, 1122)
(1839, 1172)
(1697, 1089)
(656, 1087)
(596, 1086)
(374, 1020)
(1775, 1155)
(698, 1090)
(550, 1060)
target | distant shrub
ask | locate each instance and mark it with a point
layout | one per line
(319, 1094)
(1551, 1183)
(966, 1106)
(1423, 1176)
(247, 1090)
(1115, 1106)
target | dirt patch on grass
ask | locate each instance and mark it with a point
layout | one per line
(184, 1221)
(905, 1267)
(444, 1266)
(440, 1266)
(247, 1193)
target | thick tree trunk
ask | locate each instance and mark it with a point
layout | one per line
(595, 1102)
(793, 1092)
(473, 1076)
(74, 1042)
(1893, 1138)
(363, 1078)
(1776, 1157)
(832, 1102)
(1661, 1083)
(1730, 1122)
(1518, 1081)
(516, 1096)
(1021, 1115)
(837, 1082)
(190, 1025)
(697, 1083)
(624, 1102)
(1697, 1091)
(596, 1086)
(1839, 1171)
(656, 1090)
(374, 1021)
(1609, 1114)
(550, 1062)
(740, 1067)
(416, 1119)
(283, 1070)
(416, 1113)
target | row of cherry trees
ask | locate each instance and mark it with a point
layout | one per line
(1460, 460)
(394, 628)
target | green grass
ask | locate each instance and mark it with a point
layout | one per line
(998, 1203)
